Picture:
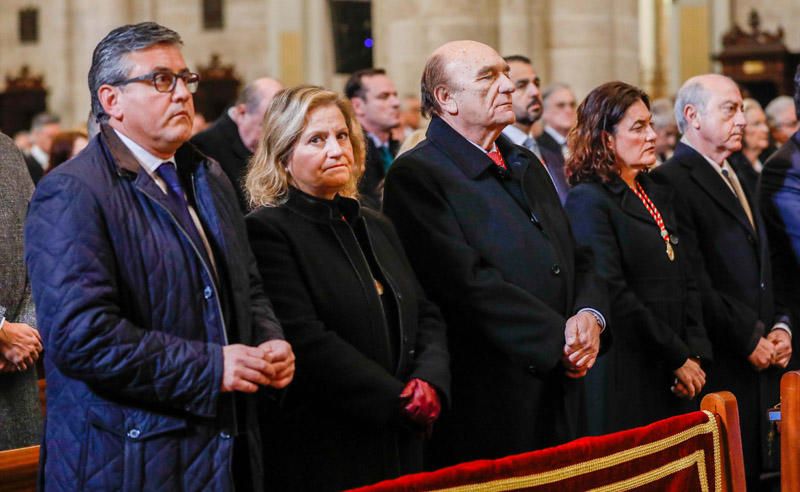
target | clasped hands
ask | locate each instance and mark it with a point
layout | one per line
(246, 368)
(773, 350)
(20, 346)
(582, 344)
(421, 405)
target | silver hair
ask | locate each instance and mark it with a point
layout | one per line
(555, 86)
(694, 93)
(776, 107)
(109, 63)
(663, 116)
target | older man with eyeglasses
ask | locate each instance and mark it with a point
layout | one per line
(156, 329)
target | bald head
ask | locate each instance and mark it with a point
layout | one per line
(252, 104)
(708, 109)
(467, 84)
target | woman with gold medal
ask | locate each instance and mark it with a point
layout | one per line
(654, 368)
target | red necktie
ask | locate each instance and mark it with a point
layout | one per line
(497, 158)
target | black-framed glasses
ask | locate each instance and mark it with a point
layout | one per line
(165, 81)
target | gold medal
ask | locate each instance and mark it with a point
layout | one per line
(670, 252)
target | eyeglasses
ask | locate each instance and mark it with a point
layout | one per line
(787, 124)
(165, 81)
(565, 104)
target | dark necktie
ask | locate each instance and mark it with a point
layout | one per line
(175, 194)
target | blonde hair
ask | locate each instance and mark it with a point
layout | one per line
(267, 181)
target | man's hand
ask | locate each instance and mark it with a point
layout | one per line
(20, 344)
(782, 343)
(690, 379)
(582, 335)
(763, 354)
(281, 356)
(245, 368)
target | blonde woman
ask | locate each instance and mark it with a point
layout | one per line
(372, 363)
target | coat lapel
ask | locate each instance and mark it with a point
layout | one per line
(712, 183)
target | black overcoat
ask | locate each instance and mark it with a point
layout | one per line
(731, 263)
(655, 311)
(221, 142)
(502, 265)
(340, 423)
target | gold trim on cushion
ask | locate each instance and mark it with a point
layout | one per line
(603, 462)
(697, 458)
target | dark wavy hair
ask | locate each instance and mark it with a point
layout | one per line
(590, 157)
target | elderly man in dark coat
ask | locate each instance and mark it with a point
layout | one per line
(725, 238)
(485, 231)
(20, 345)
(157, 331)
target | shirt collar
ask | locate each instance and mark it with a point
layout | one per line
(559, 138)
(377, 141)
(717, 166)
(515, 134)
(147, 160)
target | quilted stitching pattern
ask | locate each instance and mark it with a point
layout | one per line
(120, 299)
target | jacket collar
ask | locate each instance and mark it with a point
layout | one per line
(322, 210)
(710, 180)
(187, 158)
(465, 155)
(630, 202)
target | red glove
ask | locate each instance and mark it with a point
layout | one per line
(421, 405)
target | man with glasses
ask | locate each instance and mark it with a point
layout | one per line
(156, 328)
(559, 117)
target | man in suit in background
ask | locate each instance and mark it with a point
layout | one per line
(559, 116)
(527, 104)
(779, 197)
(486, 234)
(44, 128)
(377, 107)
(233, 137)
(726, 239)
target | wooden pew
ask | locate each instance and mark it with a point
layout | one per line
(695, 451)
(19, 469)
(790, 432)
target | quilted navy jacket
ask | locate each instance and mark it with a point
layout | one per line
(133, 326)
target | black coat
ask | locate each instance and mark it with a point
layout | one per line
(779, 198)
(340, 425)
(504, 269)
(545, 140)
(34, 169)
(731, 263)
(370, 187)
(222, 143)
(655, 312)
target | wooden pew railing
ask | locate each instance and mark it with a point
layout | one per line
(19, 469)
(790, 432)
(695, 451)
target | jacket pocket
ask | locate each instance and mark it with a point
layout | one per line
(122, 444)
